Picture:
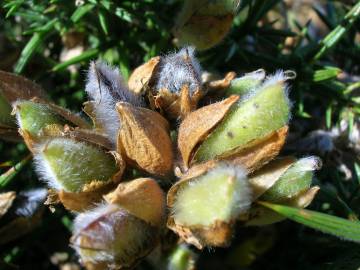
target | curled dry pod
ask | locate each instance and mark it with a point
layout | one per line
(142, 198)
(204, 23)
(12, 88)
(285, 181)
(80, 171)
(243, 85)
(205, 203)
(250, 134)
(112, 237)
(177, 87)
(36, 117)
(144, 139)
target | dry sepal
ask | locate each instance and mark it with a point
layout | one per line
(250, 133)
(78, 167)
(206, 202)
(144, 139)
(119, 233)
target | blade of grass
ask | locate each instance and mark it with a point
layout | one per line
(32, 45)
(335, 35)
(80, 12)
(77, 59)
(6, 177)
(342, 228)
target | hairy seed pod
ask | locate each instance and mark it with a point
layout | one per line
(204, 23)
(205, 203)
(243, 85)
(286, 181)
(109, 235)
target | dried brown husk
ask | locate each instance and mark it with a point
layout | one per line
(142, 75)
(198, 124)
(174, 105)
(223, 84)
(218, 234)
(14, 87)
(142, 197)
(144, 139)
(6, 201)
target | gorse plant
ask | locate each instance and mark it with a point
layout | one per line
(169, 157)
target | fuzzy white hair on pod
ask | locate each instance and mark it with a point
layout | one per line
(179, 69)
(29, 201)
(112, 233)
(223, 193)
(105, 86)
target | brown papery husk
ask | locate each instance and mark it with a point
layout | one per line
(142, 75)
(144, 139)
(217, 235)
(256, 153)
(214, 87)
(14, 87)
(6, 201)
(198, 124)
(89, 109)
(142, 197)
(177, 106)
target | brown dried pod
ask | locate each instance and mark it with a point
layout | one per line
(144, 139)
(205, 203)
(142, 75)
(142, 197)
(6, 200)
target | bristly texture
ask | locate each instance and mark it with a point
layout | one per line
(66, 164)
(222, 194)
(110, 234)
(179, 69)
(106, 87)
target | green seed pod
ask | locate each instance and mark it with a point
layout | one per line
(296, 179)
(243, 85)
(33, 117)
(263, 112)
(70, 165)
(204, 23)
(205, 206)
(112, 236)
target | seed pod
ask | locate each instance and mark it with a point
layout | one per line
(105, 86)
(80, 172)
(205, 203)
(12, 88)
(142, 198)
(109, 235)
(144, 139)
(204, 23)
(243, 85)
(35, 116)
(177, 87)
(286, 181)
